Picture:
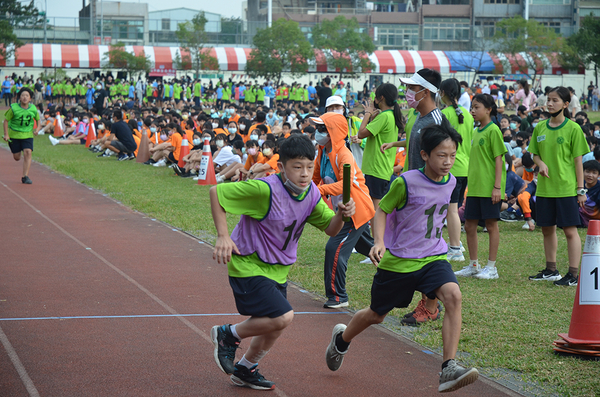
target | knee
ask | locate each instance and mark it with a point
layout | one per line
(374, 318)
(453, 298)
(17, 156)
(283, 321)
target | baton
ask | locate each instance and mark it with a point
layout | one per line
(346, 195)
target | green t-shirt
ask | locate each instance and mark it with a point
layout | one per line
(260, 94)
(176, 91)
(149, 89)
(558, 147)
(394, 200)
(250, 95)
(253, 198)
(20, 121)
(197, 89)
(410, 121)
(226, 93)
(461, 163)
(487, 144)
(383, 129)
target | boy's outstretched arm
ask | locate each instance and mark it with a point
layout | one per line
(224, 245)
(337, 222)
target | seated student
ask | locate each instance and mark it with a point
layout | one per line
(79, 135)
(514, 186)
(193, 158)
(268, 164)
(224, 155)
(218, 126)
(591, 209)
(238, 172)
(123, 142)
(526, 202)
(167, 151)
(592, 142)
(102, 135)
(233, 133)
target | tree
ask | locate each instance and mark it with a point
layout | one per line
(282, 47)
(14, 14)
(344, 46)
(584, 46)
(118, 58)
(515, 35)
(192, 37)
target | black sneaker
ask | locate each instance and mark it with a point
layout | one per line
(509, 216)
(26, 180)
(123, 156)
(177, 170)
(131, 156)
(150, 162)
(568, 280)
(101, 154)
(225, 346)
(251, 378)
(546, 275)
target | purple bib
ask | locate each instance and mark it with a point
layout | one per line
(275, 238)
(415, 230)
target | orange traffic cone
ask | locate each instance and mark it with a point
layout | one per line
(59, 127)
(584, 332)
(91, 135)
(185, 150)
(143, 149)
(206, 173)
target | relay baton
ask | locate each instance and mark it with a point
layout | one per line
(346, 195)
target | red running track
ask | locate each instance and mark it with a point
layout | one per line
(99, 300)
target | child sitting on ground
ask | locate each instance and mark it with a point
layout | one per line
(591, 209)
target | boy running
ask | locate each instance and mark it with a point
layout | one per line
(260, 250)
(417, 261)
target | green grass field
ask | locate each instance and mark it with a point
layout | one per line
(508, 324)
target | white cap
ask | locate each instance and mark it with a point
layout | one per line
(316, 120)
(417, 79)
(334, 100)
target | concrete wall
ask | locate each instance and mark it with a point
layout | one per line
(178, 15)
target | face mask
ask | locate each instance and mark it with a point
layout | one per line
(267, 152)
(252, 151)
(513, 126)
(220, 143)
(242, 127)
(410, 98)
(293, 116)
(243, 150)
(99, 87)
(519, 142)
(231, 111)
(506, 139)
(322, 138)
(163, 137)
(139, 123)
(260, 142)
(529, 169)
(295, 189)
(376, 104)
(196, 141)
(361, 117)
(314, 142)
(232, 130)
(556, 113)
(101, 127)
(185, 116)
(75, 119)
(534, 124)
(152, 129)
(338, 111)
(270, 114)
(215, 125)
(513, 144)
(86, 121)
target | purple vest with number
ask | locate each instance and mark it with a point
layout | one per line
(415, 230)
(275, 237)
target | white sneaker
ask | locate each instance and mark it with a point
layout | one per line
(366, 260)
(354, 251)
(220, 179)
(160, 163)
(462, 247)
(468, 271)
(455, 255)
(53, 140)
(526, 225)
(487, 273)
(41, 132)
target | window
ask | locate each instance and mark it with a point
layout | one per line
(446, 29)
(553, 26)
(397, 37)
(166, 24)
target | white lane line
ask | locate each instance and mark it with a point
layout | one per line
(12, 354)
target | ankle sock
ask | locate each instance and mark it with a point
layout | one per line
(551, 266)
(455, 248)
(474, 263)
(246, 363)
(234, 332)
(574, 271)
(491, 263)
(340, 343)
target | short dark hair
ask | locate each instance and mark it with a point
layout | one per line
(527, 160)
(238, 144)
(591, 165)
(296, 147)
(261, 117)
(434, 134)
(118, 114)
(262, 129)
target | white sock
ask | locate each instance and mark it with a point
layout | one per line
(234, 331)
(474, 263)
(491, 264)
(246, 363)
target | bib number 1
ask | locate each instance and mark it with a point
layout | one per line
(589, 280)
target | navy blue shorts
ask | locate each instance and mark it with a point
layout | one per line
(18, 145)
(458, 193)
(557, 211)
(260, 296)
(391, 289)
(482, 208)
(377, 187)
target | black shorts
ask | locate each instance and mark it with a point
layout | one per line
(260, 102)
(377, 187)
(557, 211)
(391, 289)
(18, 145)
(459, 190)
(171, 158)
(120, 147)
(242, 100)
(260, 296)
(482, 208)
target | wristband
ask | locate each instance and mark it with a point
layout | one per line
(497, 188)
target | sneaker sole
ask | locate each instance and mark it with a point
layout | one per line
(238, 382)
(566, 285)
(214, 333)
(465, 380)
(336, 330)
(457, 259)
(510, 220)
(336, 306)
(553, 278)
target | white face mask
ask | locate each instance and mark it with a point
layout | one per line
(220, 143)
(196, 141)
(215, 125)
(260, 142)
(75, 119)
(101, 127)
(297, 190)
(338, 111)
(86, 121)
(242, 127)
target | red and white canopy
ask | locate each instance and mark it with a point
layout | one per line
(545, 64)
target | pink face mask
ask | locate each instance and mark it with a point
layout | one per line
(252, 151)
(410, 98)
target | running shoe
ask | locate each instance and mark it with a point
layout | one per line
(421, 315)
(333, 304)
(53, 140)
(546, 275)
(251, 378)
(487, 273)
(455, 255)
(26, 180)
(422, 304)
(225, 346)
(507, 216)
(453, 377)
(568, 280)
(333, 356)
(122, 157)
(468, 271)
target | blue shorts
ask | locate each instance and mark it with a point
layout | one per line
(260, 296)
(391, 289)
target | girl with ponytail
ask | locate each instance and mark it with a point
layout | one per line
(557, 145)
(524, 96)
(462, 121)
(487, 174)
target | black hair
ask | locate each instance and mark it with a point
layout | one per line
(118, 114)
(218, 121)
(327, 80)
(434, 134)
(251, 143)
(591, 140)
(261, 117)
(132, 124)
(262, 129)
(238, 144)
(565, 95)
(525, 86)
(389, 92)
(296, 147)
(270, 144)
(581, 113)
(488, 102)
(451, 88)
(177, 129)
(508, 160)
(596, 153)
(25, 89)
(527, 160)
(288, 124)
(592, 165)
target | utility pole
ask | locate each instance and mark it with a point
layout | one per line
(269, 13)
(102, 22)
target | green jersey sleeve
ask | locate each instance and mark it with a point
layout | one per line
(321, 216)
(395, 197)
(236, 198)
(9, 114)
